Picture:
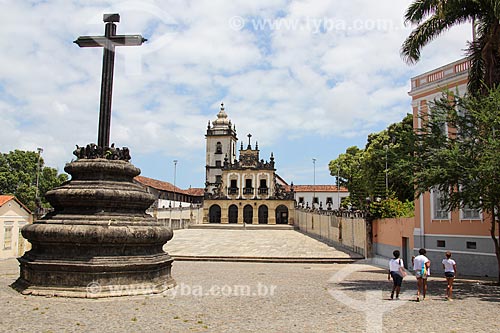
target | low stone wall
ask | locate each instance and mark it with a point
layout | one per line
(344, 231)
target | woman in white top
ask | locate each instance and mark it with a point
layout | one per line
(396, 269)
(450, 270)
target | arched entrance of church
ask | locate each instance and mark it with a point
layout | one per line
(263, 214)
(214, 214)
(233, 214)
(281, 214)
(248, 214)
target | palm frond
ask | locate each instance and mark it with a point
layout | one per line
(476, 71)
(421, 36)
(419, 10)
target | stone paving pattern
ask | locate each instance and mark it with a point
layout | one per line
(249, 243)
(280, 298)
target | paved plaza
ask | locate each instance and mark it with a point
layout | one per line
(261, 297)
(250, 244)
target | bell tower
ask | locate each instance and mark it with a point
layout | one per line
(220, 145)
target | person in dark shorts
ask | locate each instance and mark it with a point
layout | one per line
(450, 271)
(396, 269)
(421, 266)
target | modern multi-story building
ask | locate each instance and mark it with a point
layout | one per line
(243, 190)
(464, 232)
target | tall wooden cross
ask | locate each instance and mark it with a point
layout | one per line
(108, 42)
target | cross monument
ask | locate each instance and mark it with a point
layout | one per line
(108, 42)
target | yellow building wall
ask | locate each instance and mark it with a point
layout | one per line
(13, 216)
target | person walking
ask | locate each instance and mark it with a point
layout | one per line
(421, 266)
(396, 272)
(450, 271)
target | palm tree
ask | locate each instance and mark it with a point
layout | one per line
(433, 17)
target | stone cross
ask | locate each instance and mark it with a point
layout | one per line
(108, 42)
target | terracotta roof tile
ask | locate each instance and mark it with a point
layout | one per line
(158, 184)
(5, 198)
(196, 191)
(166, 186)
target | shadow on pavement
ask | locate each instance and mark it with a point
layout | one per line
(487, 291)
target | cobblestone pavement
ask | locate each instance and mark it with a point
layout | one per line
(249, 243)
(261, 297)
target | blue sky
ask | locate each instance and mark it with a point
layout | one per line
(306, 78)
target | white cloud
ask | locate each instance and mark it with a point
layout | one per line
(331, 70)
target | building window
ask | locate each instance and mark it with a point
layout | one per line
(263, 187)
(218, 148)
(233, 189)
(248, 187)
(301, 200)
(218, 164)
(471, 245)
(469, 213)
(441, 243)
(7, 242)
(329, 200)
(440, 212)
(315, 200)
(218, 179)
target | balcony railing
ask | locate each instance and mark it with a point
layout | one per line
(263, 190)
(232, 190)
(248, 190)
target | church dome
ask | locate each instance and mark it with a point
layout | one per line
(222, 119)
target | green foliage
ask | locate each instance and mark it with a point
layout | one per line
(363, 171)
(467, 159)
(392, 207)
(348, 170)
(457, 152)
(18, 173)
(435, 17)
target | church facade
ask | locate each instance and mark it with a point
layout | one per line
(244, 189)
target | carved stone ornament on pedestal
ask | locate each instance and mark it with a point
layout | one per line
(98, 241)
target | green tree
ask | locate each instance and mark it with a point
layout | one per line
(400, 158)
(433, 17)
(349, 167)
(18, 173)
(363, 171)
(463, 162)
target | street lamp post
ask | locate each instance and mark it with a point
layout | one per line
(175, 174)
(386, 147)
(40, 151)
(37, 199)
(314, 182)
(338, 187)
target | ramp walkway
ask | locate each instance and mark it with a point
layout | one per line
(258, 244)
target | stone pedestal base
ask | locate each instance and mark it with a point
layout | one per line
(99, 242)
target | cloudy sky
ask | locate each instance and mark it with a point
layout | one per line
(306, 78)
